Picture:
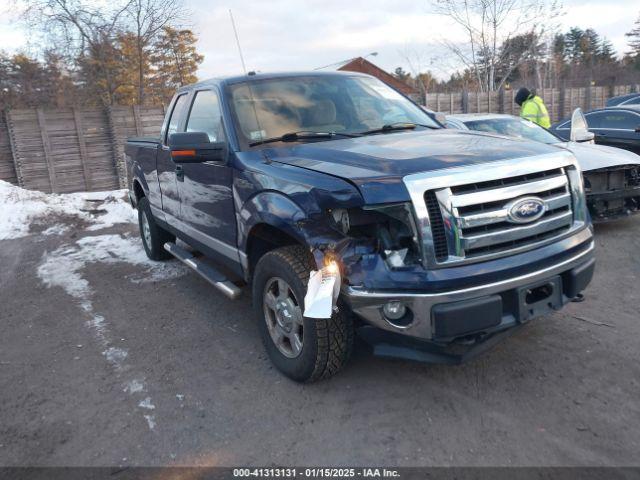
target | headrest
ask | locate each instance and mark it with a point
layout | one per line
(322, 113)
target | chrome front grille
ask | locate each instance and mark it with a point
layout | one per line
(483, 218)
(464, 213)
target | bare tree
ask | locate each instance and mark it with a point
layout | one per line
(488, 24)
(82, 31)
(421, 78)
(415, 61)
(148, 18)
(91, 34)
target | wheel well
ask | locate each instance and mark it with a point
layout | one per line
(262, 239)
(138, 191)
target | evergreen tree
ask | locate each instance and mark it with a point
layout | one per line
(559, 47)
(573, 44)
(589, 45)
(100, 72)
(634, 39)
(606, 52)
(128, 92)
(401, 74)
(29, 80)
(7, 91)
(633, 57)
(174, 60)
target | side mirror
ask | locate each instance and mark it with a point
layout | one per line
(637, 130)
(579, 128)
(195, 147)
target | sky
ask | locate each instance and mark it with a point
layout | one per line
(281, 35)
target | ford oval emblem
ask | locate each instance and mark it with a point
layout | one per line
(525, 210)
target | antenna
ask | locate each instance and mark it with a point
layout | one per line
(235, 32)
(244, 68)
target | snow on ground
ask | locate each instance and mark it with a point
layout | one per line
(65, 266)
(57, 229)
(20, 209)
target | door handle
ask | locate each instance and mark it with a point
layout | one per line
(180, 173)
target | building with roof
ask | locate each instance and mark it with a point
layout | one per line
(362, 65)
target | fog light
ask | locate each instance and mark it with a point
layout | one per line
(394, 310)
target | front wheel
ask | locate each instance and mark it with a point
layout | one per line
(304, 349)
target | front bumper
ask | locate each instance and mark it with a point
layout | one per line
(443, 317)
(612, 192)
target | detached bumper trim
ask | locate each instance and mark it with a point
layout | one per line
(368, 304)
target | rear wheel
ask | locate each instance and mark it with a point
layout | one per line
(304, 349)
(153, 236)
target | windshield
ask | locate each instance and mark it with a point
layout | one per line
(341, 104)
(513, 127)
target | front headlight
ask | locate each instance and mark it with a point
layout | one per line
(391, 228)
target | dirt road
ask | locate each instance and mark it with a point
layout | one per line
(108, 359)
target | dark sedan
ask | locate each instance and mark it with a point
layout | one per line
(613, 126)
(624, 100)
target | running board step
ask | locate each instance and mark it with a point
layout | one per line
(210, 274)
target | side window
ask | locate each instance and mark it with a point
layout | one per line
(616, 120)
(625, 120)
(174, 120)
(633, 101)
(206, 116)
(594, 120)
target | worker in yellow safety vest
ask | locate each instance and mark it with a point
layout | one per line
(532, 107)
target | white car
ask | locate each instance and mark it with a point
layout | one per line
(611, 175)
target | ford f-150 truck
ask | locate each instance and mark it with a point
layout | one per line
(347, 208)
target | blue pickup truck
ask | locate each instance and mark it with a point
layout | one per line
(348, 209)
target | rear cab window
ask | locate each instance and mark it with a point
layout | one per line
(206, 115)
(176, 117)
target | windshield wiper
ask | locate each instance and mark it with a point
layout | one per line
(302, 135)
(391, 127)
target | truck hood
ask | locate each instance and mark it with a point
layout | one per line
(591, 156)
(376, 164)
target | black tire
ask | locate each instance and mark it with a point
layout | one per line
(326, 343)
(154, 244)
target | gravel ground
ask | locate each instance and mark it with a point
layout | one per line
(106, 359)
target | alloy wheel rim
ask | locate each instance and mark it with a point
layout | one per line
(283, 316)
(146, 230)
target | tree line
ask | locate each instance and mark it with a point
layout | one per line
(528, 52)
(125, 52)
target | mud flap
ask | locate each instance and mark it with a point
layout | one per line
(322, 293)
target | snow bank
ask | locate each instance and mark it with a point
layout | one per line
(20, 208)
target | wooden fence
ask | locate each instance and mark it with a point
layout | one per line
(7, 169)
(560, 102)
(70, 150)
